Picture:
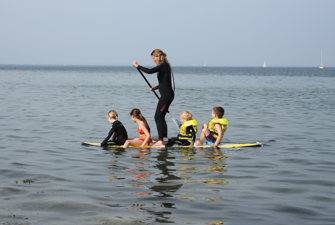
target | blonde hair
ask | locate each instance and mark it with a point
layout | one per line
(112, 114)
(186, 115)
(137, 114)
(162, 56)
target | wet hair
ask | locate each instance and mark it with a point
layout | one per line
(186, 115)
(219, 111)
(161, 55)
(112, 114)
(137, 114)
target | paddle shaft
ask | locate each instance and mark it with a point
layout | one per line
(148, 83)
(155, 94)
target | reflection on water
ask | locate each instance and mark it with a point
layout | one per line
(157, 179)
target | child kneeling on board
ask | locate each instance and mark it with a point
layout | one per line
(213, 132)
(117, 132)
(187, 132)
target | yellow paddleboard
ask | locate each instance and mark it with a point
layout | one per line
(255, 144)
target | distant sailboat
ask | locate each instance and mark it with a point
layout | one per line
(321, 66)
(264, 64)
(205, 63)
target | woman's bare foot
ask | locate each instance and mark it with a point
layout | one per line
(159, 144)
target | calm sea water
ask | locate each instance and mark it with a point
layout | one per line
(47, 177)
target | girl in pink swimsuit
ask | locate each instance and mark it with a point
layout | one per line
(143, 129)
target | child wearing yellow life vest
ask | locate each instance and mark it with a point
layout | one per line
(213, 132)
(187, 132)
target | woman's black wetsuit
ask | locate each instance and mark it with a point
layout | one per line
(119, 135)
(167, 96)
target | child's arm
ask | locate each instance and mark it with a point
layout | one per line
(190, 130)
(217, 127)
(147, 134)
(111, 132)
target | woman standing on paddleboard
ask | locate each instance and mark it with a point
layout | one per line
(165, 89)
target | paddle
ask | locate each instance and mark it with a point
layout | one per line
(175, 121)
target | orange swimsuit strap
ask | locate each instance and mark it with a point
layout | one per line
(140, 131)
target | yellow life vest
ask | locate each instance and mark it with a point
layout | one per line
(182, 132)
(222, 121)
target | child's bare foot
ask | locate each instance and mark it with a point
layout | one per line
(197, 143)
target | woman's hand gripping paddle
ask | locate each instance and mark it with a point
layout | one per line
(177, 122)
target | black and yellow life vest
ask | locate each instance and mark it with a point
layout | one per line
(182, 132)
(222, 121)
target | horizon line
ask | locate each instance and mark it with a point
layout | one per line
(105, 65)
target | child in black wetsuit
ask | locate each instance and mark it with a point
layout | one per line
(117, 132)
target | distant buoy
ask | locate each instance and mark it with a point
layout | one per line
(16, 70)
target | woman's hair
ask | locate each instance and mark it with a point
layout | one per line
(161, 55)
(162, 58)
(112, 114)
(186, 115)
(137, 114)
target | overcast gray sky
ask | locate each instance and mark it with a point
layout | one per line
(224, 33)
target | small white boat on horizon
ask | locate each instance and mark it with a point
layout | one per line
(321, 66)
(264, 64)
